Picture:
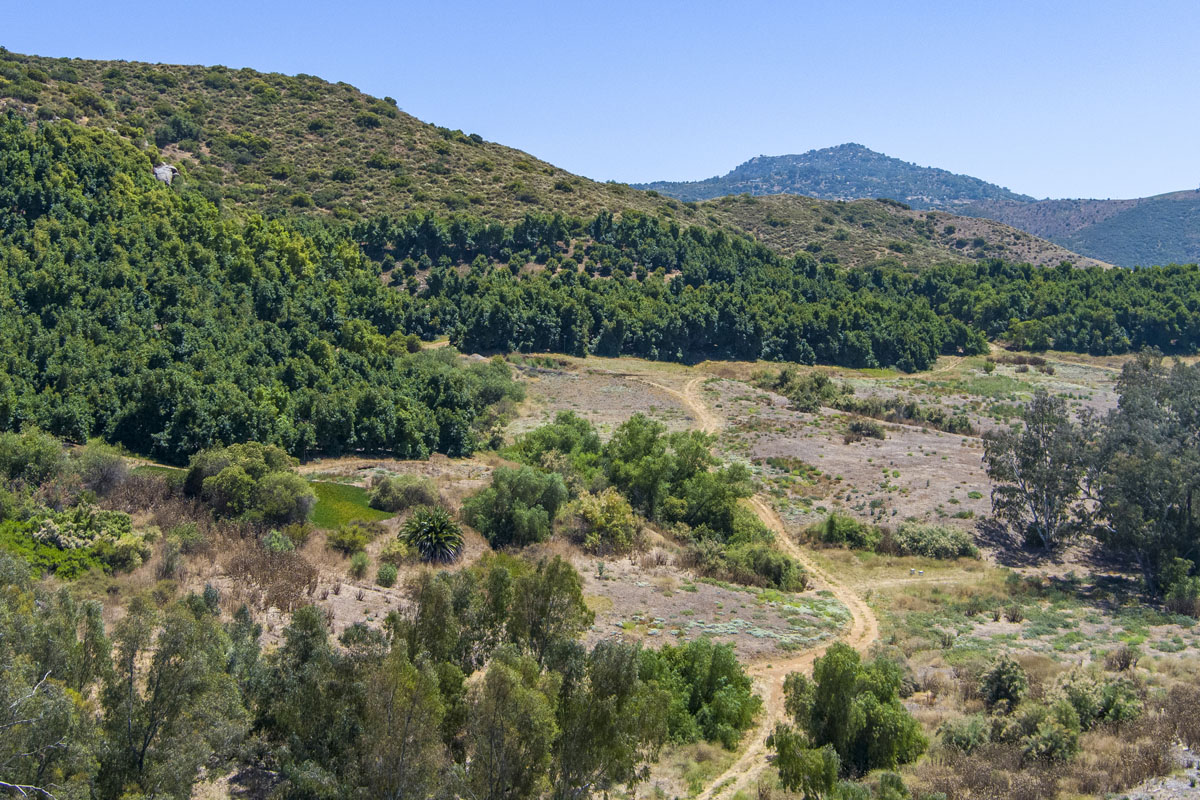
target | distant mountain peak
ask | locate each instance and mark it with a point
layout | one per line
(849, 171)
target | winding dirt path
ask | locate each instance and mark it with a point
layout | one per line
(769, 675)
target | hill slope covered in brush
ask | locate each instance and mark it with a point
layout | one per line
(298, 145)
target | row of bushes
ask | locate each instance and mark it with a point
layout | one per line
(909, 539)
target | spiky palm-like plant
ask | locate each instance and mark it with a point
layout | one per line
(433, 533)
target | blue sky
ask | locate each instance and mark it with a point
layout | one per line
(1058, 99)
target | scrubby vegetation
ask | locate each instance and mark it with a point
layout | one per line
(671, 479)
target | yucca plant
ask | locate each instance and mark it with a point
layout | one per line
(433, 533)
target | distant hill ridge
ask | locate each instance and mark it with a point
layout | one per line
(1140, 231)
(296, 145)
(845, 172)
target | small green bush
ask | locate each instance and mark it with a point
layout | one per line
(400, 492)
(395, 552)
(965, 734)
(352, 538)
(386, 575)
(358, 564)
(841, 530)
(1003, 686)
(602, 523)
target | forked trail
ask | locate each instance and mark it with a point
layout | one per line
(769, 675)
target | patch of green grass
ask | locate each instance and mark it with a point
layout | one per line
(150, 469)
(338, 504)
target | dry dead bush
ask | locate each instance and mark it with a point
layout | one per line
(1116, 759)
(993, 772)
(286, 580)
(655, 558)
(1123, 659)
(1183, 713)
(138, 493)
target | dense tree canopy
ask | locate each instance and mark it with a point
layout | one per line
(138, 313)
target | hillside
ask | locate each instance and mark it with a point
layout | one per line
(299, 145)
(1162, 229)
(845, 172)
(863, 232)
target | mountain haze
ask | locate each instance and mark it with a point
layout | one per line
(297, 145)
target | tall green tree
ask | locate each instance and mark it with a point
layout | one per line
(511, 729)
(1145, 471)
(853, 708)
(611, 724)
(1037, 471)
(402, 753)
(169, 705)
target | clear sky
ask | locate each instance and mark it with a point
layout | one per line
(1052, 99)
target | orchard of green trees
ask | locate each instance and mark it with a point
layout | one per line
(142, 315)
(1129, 478)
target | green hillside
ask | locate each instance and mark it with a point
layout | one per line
(1163, 229)
(298, 145)
(845, 172)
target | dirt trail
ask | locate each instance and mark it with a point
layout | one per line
(769, 676)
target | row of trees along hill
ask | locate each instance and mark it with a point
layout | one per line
(1128, 478)
(640, 285)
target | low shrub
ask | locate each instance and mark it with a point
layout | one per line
(1003, 686)
(842, 530)
(603, 522)
(353, 538)
(934, 541)
(358, 564)
(386, 575)
(401, 492)
(965, 734)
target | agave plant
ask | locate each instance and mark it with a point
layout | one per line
(432, 532)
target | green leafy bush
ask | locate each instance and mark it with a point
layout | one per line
(386, 575)
(518, 508)
(602, 523)
(1098, 700)
(251, 480)
(400, 492)
(934, 541)
(352, 538)
(965, 734)
(358, 564)
(842, 530)
(1003, 685)
(32, 457)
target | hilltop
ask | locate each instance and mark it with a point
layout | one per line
(1163, 229)
(845, 172)
(301, 146)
